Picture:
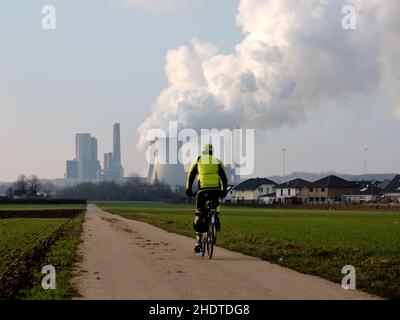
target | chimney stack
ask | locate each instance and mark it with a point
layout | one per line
(117, 144)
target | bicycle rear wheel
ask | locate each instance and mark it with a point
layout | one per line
(203, 244)
(210, 240)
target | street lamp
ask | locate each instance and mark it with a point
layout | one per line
(284, 161)
(365, 160)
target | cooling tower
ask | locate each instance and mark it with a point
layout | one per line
(166, 168)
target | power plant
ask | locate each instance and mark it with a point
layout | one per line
(86, 166)
(112, 167)
(165, 167)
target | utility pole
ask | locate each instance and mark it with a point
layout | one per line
(284, 162)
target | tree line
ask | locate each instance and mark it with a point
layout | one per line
(132, 190)
(25, 187)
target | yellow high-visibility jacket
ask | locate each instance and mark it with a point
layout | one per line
(211, 173)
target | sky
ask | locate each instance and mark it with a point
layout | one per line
(122, 61)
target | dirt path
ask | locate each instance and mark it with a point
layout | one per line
(126, 259)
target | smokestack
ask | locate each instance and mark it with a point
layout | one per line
(117, 144)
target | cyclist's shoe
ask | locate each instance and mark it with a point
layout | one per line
(197, 248)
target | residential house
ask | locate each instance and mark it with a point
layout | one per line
(327, 190)
(252, 189)
(269, 198)
(392, 192)
(287, 192)
(383, 184)
(365, 192)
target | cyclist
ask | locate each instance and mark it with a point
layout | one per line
(212, 185)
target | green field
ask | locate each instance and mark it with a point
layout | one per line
(27, 244)
(34, 207)
(62, 255)
(314, 242)
(21, 241)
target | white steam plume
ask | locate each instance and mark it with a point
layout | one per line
(295, 56)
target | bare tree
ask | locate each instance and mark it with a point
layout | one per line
(10, 193)
(34, 185)
(22, 184)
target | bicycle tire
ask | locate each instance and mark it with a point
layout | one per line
(210, 241)
(203, 245)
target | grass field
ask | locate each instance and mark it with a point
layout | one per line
(21, 242)
(27, 244)
(34, 207)
(313, 242)
(61, 255)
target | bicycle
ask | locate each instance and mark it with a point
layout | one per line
(209, 237)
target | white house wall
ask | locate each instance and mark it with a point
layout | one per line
(254, 194)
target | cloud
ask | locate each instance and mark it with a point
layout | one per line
(295, 56)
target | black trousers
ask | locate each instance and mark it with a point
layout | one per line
(205, 195)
